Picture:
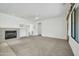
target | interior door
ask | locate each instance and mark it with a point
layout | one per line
(28, 30)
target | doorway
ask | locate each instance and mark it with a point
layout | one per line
(39, 29)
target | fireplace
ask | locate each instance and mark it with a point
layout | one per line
(10, 34)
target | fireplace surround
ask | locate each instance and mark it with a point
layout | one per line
(10, 34)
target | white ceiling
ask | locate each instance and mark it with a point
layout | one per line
(32, 10)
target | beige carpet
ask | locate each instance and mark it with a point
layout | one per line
(38, 46)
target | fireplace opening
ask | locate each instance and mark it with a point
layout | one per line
(10, 34)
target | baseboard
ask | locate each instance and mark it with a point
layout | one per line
(54, 37)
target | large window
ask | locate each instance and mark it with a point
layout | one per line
(75, 24)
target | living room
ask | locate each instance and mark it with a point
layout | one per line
(37, 29)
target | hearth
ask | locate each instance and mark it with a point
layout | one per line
(10, 34)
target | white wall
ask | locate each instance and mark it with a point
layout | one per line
(55, 27)
(8, 21)
(74, 45)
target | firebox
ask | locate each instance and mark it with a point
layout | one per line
(10, 34)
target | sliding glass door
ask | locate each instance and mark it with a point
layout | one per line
(75, 24)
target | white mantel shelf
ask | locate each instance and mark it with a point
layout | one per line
(10, 27)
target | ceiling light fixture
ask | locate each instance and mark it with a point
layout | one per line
(36, 18)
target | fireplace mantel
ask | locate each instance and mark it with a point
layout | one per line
(10, 27)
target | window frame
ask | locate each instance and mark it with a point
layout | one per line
(74, 24)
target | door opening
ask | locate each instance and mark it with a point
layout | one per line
(39, 29)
